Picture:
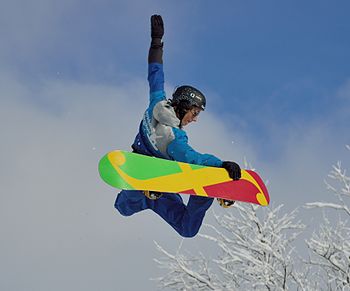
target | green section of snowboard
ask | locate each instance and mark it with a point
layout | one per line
(110, 175)
(196, 167)
(136, 164)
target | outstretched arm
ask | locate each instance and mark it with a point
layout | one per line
(181, 151)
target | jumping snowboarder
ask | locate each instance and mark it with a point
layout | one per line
(161, 135)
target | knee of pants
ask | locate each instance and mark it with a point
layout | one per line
(121, 207)
(189, 229)
(189, 234)
(130, 202)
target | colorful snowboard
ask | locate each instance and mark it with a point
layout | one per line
(131, 171)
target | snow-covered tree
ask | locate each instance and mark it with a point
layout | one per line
(255, 252)
(330, 245)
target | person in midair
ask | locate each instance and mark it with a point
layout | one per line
(161, 135)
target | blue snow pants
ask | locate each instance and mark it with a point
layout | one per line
(185, 219)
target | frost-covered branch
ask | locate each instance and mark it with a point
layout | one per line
(183, 275)
(328, 205)
(255, 252)
(330, 246)
(257, 249)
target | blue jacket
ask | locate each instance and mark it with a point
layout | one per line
(159, 133)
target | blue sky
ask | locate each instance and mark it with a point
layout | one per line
(73, 86)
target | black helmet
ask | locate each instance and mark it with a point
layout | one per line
(189, 94)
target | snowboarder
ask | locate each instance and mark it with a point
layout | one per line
(161, 135)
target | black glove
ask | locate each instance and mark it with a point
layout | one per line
(233, 169)
(155, 54)
(157, 27)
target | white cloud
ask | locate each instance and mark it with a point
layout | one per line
(57, 218)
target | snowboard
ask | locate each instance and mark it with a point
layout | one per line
(131, 171)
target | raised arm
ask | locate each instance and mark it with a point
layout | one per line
(155, 59)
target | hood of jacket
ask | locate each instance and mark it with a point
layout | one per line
(165, 114)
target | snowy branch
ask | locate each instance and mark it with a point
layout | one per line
(330, 246)
(255, 253)
(328, 205)
(182, 274)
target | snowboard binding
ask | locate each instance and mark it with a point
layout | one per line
(225, 203)
(152, 194)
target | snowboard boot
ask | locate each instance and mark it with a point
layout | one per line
(225, 203)
(153, 195)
